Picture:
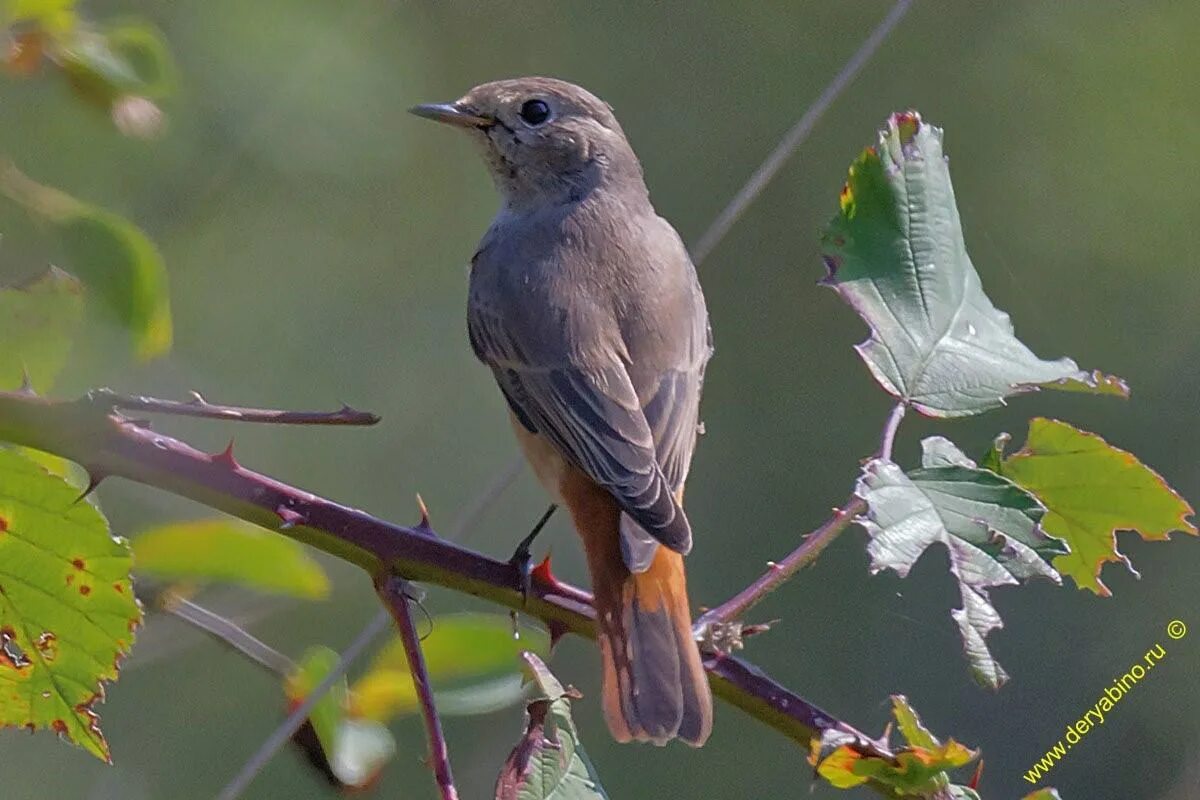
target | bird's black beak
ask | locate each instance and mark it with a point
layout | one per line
(451, 114)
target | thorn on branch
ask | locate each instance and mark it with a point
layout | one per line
(95, 476)
(289, 517)
(225, 457)
(26, 387)
(423, 526)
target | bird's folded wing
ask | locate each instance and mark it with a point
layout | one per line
(593, 417)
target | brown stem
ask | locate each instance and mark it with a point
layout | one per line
(393, 592)
(108, 445)
(717, 627)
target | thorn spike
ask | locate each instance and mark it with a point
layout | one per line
(557, 631)
(424, 523)
(26, 387)
(94, 479)
(226, 457)
(289, 517)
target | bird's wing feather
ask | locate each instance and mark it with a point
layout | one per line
(594, 418)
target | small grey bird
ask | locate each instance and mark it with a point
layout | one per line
(586, 306)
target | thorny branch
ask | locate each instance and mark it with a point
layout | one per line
(109, 445)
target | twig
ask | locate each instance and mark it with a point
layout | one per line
(799, 132)
(718, 628)
(199, 407)
(889, 431)
(110, 446)
(300, 713)
(227, 632)
(393, 592)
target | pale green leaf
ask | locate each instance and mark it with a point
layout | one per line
(67, 610)
(988, 524)
(225, 551)
(38, 323)
(895, 253)
(1091, 490)
(472, 665)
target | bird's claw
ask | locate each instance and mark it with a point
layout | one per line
(522, 557)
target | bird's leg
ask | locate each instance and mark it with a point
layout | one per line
(521, 557)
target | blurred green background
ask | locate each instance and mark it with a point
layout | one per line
(317, 238)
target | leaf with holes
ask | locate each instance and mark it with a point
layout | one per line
(895, 253)
(38, 322)
(67, 611)
(918, 770)
(548, 763)
(1091, 490)
(348, 751)
(225, 551)
(988, 523)
(472, 664)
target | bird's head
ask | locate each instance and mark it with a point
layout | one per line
(544, 140)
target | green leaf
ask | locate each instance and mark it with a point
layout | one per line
(145, 51)
(1091, 490)
(895, 253)
(53, 15)
(919, 769)
(38, 322)
(471, 659)
(987, 522)
(124, 266)
(67, 611)
(110, 255)
(548, 763)
(1043, 794)
(353, 750)
(224, 551)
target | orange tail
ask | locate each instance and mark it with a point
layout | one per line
(654, 686)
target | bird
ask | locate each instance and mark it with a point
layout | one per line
(586, 306)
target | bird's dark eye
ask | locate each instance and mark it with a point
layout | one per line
(535, 112)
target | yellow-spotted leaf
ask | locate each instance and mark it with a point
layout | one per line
(67, 611)
(920, 767)
(1091, 490)
(225, 551)
(38, 322)
(472, 663)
